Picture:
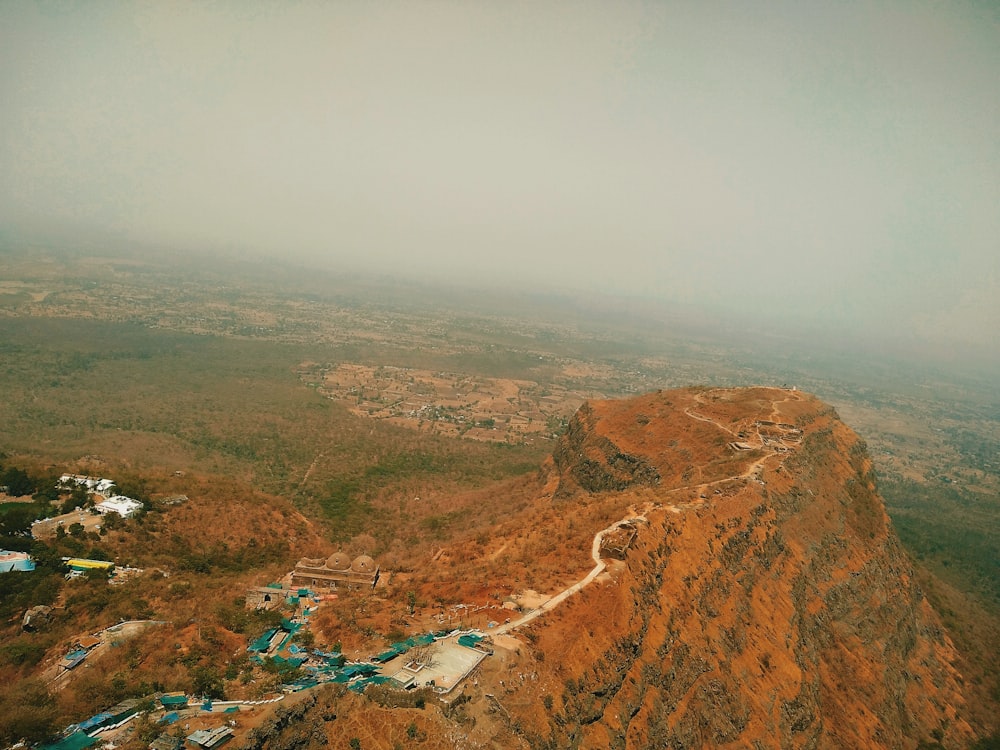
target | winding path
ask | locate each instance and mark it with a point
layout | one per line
(555, 601)
(595, 549)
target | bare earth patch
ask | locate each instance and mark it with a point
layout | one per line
(449, 403)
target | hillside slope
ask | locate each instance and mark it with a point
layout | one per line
(763, 602)
(716, 569)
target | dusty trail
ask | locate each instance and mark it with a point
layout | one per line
(312, 466)
(702, 418)
(555, 601)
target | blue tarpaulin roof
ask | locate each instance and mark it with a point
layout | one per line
(23, 566)
(96, 721)
(295, 661)
(75, 741)
(329, 655)
(360, 685)
(357, 669)
(403, 646)
(261, 643)
(170, 718)
(73, 660)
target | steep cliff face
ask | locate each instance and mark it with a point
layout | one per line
(591, 461)
(764, 601)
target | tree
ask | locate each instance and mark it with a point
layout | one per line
(16, 519)
(18, 482)
(27, 712)
(146, 729)
(78, 498)
(423, 655)
(207, 682)
(49, 494)
(112, 521)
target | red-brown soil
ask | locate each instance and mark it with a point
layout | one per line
(764, 600)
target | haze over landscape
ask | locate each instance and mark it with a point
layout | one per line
(499, 375)
(840, 160)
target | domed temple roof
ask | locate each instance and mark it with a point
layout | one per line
(338, 561)
(363, 564)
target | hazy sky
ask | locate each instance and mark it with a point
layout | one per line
(835, 161)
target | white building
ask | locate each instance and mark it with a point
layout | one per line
(125, 507)
(104, 487)
(93, 484)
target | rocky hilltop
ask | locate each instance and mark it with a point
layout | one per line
(749, 592)
(763, 600)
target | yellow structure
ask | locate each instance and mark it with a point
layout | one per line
(79, 563)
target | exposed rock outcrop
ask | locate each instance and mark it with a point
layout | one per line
(592, 462)
(289, 728)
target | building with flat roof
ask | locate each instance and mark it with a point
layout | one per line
(125, 507)
(265, 597)
(173, 700)
(210, 738)
(93, 484)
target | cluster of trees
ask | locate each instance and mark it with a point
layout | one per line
(16, 520)
(17, 482)
(27, 712)
(951, 530)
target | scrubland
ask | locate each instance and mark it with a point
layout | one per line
(210, 385)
